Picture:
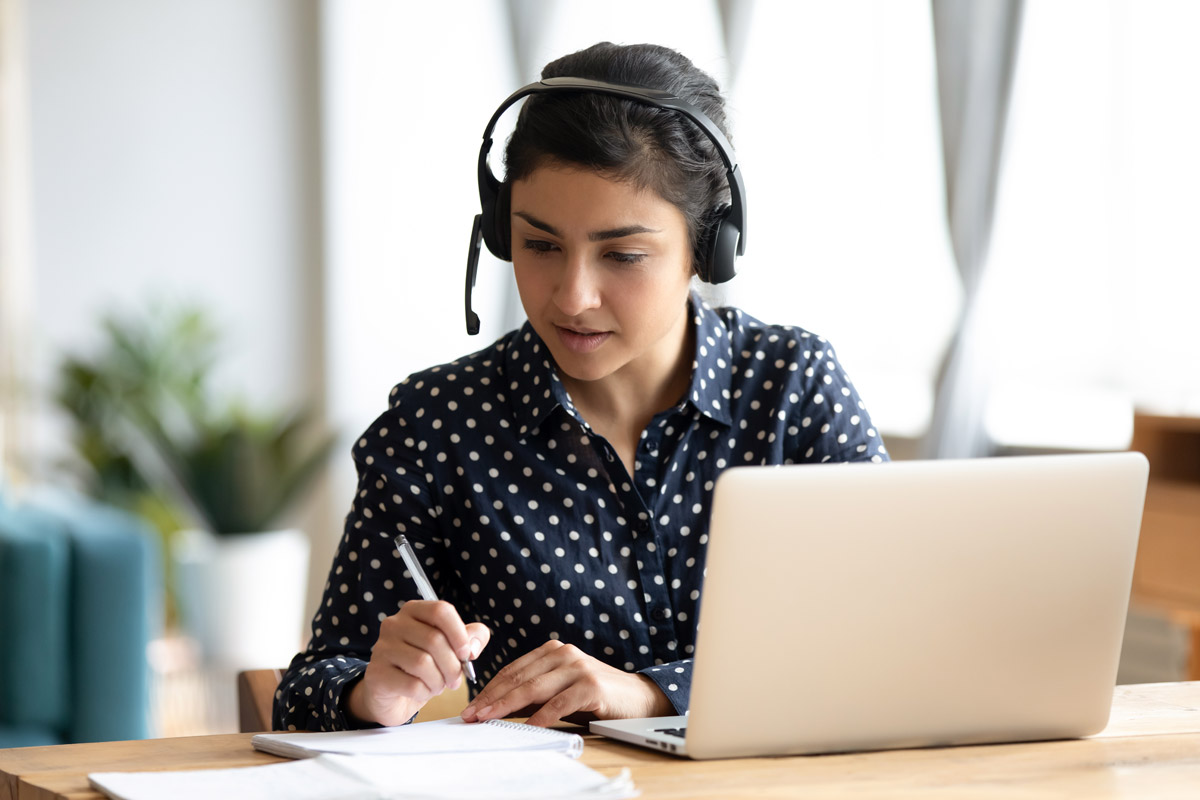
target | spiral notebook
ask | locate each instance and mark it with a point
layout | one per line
(439, 736)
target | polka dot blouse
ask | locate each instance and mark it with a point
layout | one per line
(527, 520)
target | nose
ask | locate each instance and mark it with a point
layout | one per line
(578, 287)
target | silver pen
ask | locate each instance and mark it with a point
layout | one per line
(426, 589)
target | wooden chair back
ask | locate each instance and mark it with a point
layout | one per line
(256, 697)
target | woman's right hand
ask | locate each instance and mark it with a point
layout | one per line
(419, 654)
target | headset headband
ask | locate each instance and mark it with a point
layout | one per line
(653, 97)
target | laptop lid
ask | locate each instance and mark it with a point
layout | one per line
(866, 606)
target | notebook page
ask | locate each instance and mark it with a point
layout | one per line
(311, 779)
(484, 776)
(1140, 709)
(438, 736)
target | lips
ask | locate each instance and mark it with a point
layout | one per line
(581, 341)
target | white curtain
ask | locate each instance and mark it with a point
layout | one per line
(976, 45)
(835, 122)
(737, 18)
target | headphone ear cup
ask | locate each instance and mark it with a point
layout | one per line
(502, 223)
(494, 207)
(719, 248)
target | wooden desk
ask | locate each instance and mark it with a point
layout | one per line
(1151, 749)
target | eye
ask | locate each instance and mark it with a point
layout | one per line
(625, 258)
(539, 246)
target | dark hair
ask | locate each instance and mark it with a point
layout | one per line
(651, 147)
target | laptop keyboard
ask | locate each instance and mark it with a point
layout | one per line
(672, 731)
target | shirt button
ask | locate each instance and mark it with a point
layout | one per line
(661, 614)
(642, 525)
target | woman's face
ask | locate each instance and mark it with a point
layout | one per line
(603, 271)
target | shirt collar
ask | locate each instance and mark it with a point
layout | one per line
(533, 384)
(535, 389)
(712, 378)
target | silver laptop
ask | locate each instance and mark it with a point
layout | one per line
(911, 604)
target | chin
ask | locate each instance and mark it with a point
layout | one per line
(571, 368)
(589, 367)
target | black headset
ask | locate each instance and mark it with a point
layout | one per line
(724, 237)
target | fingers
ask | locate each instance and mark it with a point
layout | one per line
(444, 621)
(387, 694)
(413, 659)
(554, 677)
(557, 681)
(579, 696)
(419, 653)
(479, 635)
(421, 642)
(508, 679)
(442, 617)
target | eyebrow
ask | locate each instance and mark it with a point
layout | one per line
(595, 236)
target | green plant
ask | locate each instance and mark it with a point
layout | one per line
(155, 439)
(239, 473)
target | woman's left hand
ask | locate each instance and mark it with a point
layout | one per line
(562, 681)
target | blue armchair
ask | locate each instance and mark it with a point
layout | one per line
(80, 596)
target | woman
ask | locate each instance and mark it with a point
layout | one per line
(556, 484)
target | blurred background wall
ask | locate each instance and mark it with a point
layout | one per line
(175, 158)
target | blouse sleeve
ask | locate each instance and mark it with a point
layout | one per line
(364, 585)
(830, 423)
(675, 681)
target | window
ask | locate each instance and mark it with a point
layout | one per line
(1095, 266)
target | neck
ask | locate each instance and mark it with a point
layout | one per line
(623, 403)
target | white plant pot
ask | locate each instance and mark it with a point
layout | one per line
(241, 596)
